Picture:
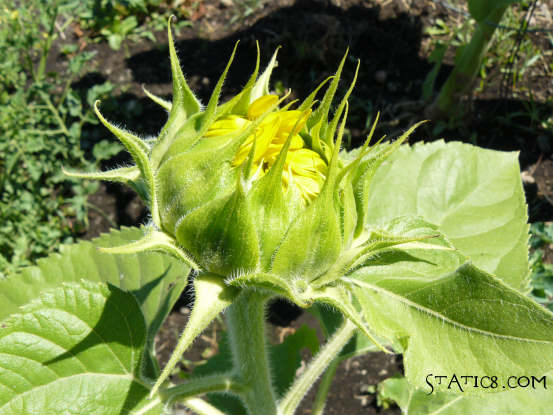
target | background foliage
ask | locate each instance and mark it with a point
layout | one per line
(41, 121)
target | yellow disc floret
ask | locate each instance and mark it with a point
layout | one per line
(303, 167)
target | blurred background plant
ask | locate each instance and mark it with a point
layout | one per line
(41, 126)
(117, 20)
(541, 245)
(480, 37)
(486, 16)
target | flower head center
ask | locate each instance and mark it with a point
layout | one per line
(303, 167)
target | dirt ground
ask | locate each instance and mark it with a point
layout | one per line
(389, 38)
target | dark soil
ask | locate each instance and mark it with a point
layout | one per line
(389, 39)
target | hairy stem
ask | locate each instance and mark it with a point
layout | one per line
(320, 399)
(212, 297)
(316, 367)
(217, 383)
(201, 407)
(246, 322)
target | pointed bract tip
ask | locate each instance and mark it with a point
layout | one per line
(341, 129)
(371, 133)
(166, 105)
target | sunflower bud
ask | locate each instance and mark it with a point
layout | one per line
(252, 190)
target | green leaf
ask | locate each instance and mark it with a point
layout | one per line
(166, 105)
(185, 103)
(194, 178)
(244, 101)
(400, 234)
(273, 220)
(76, 348)
(474, 195)
(210, 111)
(156, 280)
(139, 151)
(462, 322)
(183, 107)
(409, 246)
(294, 290)
(513, 402)
(320, 115)
(153, 240)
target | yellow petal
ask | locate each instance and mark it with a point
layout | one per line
(226, 125)
(289, 120)
(276, 145)
(263, 135)
(261, 105)
(306, 162)
(309, 188)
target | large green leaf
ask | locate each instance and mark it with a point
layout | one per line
(155, 279)
(76, 349)
(474, 195)
(535, 400)
(460, 322)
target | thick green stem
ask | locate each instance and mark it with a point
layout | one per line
(246, 324)
(467, 65)
(316, 367)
